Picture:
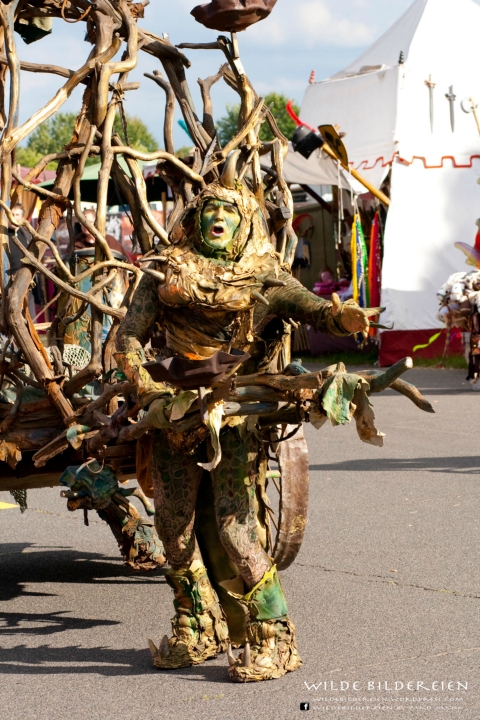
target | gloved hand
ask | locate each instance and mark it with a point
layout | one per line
(131, 363)
(156, 412)
(351, 316)
(163, 411)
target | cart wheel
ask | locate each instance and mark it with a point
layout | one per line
(290, 480)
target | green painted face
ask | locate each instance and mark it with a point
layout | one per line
(219, 221)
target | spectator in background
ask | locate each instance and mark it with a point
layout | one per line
(85, 238)
(15, 255)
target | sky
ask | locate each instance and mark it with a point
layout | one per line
(278, 53)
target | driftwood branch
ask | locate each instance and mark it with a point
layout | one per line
(205, 88)
(14, 137)
(169, 109)
(40, 68)
(88, 297)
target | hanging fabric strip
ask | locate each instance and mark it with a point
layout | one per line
(363, 288)
(375, 267)
(353, 251)
(359, 263)
(375, 263)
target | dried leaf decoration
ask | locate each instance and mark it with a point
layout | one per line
(214, 423)
(76, 434)
(338, 393)
(345, 396)
(10, 453)
(365, 417)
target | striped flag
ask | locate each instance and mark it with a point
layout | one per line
(361, 293)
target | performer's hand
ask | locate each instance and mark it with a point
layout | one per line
(156, 413)
(351, 316)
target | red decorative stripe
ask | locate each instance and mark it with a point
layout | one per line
(364, 164)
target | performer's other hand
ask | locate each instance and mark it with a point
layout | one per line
(351, 316)
(156, 412)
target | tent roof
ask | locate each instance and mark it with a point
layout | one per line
(384, 107)
(318, 169)
(88, 187)
(428, 25)
(386, 50)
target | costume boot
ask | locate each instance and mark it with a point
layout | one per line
(271, 649)
(199, 626)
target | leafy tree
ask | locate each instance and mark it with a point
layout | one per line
(139, 135)
(50, 137)
(183, 151)
(55, 133)
(227, 126)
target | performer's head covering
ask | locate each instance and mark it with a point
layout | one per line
(251, 236)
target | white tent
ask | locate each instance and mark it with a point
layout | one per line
(384, 108)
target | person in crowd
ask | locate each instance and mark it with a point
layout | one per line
(85, 239)
(15, 255)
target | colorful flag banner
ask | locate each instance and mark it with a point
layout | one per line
(359, 264)
(375, 264)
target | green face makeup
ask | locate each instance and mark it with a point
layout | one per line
(219, 222)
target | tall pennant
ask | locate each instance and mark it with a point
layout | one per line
(375, 263)
(359, 264)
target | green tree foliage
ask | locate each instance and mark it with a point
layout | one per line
(139, 135)
(227, 126)
(50, 137)
(183, 151)
(55, 133)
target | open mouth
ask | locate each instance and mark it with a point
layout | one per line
(218, 230)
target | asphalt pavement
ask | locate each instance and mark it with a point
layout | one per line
(385, 592)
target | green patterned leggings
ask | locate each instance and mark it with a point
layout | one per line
(176, 480)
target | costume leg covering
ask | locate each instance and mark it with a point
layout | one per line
(176, 478)
(234, 489)
(199, 626)
(271, 649)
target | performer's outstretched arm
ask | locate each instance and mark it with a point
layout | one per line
(334, 318)
(296, 302)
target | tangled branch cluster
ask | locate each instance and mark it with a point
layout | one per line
(113, 30)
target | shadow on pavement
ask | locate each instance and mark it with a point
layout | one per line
(200, 673)
(461, 464)
(72, 659)
(14, 548)
(46, 623)
(75, 660)
(61, 565)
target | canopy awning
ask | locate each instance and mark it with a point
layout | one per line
(89, 183)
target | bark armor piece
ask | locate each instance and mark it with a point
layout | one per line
(199, 626)
(271, 649)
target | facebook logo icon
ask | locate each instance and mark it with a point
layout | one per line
(304, 706)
